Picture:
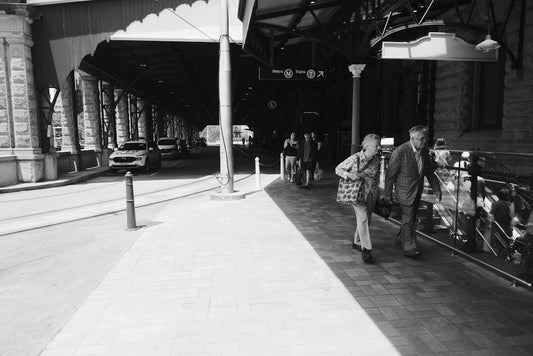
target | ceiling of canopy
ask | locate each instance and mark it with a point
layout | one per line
(182, 76)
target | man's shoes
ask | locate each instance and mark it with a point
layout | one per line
(367, 256)
(356, 247)
(413, 253)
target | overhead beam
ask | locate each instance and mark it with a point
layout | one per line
(294, 9)
(341, 47)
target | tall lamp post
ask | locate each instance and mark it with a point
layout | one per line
(226, 178)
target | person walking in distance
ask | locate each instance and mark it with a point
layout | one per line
(363, 165)
(307, 156)
(408, 166)
(290, 149)
(314, 137)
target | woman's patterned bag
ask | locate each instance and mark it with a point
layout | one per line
(351, 192)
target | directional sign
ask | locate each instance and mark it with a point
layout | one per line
(309, 74)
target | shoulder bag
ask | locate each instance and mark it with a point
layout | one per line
(352, 192)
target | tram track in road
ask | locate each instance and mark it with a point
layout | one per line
(86, 189)
(165, 189)
(112, 206)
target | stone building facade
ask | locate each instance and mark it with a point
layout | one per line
(42, 138)
(456, 91)
(475, 106)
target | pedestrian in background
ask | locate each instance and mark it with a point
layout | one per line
(408, 166)
(363, 165)
(319, 152)
(290, 150)
(500, 213)
(307, 156)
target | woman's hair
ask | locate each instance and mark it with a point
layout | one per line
(370, 138)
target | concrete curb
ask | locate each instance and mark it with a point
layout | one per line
(72, 179)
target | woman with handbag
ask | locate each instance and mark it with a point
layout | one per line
(359, 186)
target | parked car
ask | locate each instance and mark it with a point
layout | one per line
(136, 154)
(200, 142)
(169, 147)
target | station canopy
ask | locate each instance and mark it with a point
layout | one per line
(166, 51)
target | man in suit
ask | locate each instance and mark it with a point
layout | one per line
(408, 166)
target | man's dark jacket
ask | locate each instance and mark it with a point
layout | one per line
(403, 174)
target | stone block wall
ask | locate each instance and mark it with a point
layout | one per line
(19, 122)
(454, 93)
(453, 98)
(8, 167)
(23, 96)
(5, 136)
(91, 113)
(518, 96)
(122, 117)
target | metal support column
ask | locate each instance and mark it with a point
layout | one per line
(224, 82)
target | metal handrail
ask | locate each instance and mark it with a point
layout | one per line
(464, 254)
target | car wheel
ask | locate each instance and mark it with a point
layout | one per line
(147, 165)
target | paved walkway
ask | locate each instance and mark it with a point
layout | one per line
(274, 274)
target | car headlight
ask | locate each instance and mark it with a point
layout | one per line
(140, 158)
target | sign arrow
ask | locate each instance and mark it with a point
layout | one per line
(320, 74)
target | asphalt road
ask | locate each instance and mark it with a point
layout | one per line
(46, 273)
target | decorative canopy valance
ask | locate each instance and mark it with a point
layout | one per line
(65, 33)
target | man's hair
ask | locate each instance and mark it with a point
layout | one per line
(417, 128)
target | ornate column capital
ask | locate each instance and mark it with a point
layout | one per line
(356, 69)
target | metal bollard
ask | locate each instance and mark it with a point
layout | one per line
(281, 166)
(130, 202)
(257, 174)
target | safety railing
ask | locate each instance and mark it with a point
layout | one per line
(64, 163)
(87, 159)
(485, 213)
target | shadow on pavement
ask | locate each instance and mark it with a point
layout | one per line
(441, 303)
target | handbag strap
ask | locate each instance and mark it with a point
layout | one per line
(366, 165)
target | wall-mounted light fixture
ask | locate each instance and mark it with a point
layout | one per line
(487, 45)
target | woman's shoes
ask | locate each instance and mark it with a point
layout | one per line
(356, 247)
(367, 256)
(413, 253)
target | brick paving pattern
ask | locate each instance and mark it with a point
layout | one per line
(274, 274)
